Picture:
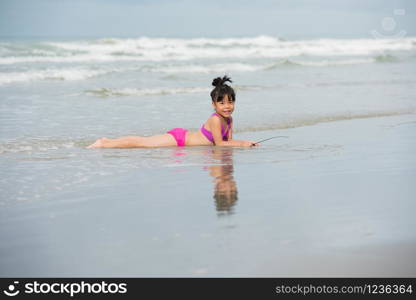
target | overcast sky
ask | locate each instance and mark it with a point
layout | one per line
(197, 18)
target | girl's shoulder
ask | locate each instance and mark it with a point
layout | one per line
(218, 122)
(216, 116)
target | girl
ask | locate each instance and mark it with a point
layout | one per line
(217, 130)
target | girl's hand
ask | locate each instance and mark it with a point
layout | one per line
(249, 144)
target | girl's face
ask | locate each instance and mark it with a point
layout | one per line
(225, 107)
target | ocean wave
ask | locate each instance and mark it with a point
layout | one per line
(111, 92)
(81, 73)
(386, 58)
(204, 68)
(159, 91)
(79, 58)
(170, 49)
(250, 67)
(322, 63)
(49, 74)
(333, 62)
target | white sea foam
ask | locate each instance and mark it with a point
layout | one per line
(325, 63)
(49, 74)
(114, 92)
(81, 73)
(245, 67)
(109, 92)
(206, 68)
(164, 49)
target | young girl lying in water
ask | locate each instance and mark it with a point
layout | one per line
(217, 130)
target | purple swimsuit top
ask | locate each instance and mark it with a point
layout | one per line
(224, 132)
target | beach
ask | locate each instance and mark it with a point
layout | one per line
(334, 197)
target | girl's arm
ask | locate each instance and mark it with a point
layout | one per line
(216, 134)
(230, 132)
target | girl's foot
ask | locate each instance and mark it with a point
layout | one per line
(98, 143)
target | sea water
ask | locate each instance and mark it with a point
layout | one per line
(202, 210)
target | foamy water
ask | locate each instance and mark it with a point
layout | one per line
(105, 59)
(160, 49)
(80, 89)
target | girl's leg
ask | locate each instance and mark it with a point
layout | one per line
(163, 140)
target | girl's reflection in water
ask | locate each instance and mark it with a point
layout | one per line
(219, 162)
(225, 187)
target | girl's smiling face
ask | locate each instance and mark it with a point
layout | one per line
(224, 107)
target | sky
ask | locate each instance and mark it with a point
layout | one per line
(289, 19)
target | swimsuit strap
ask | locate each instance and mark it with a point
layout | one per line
(224, 133)
(222, 127)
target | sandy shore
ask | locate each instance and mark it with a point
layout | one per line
(334, 199)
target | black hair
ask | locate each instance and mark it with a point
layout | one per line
(221, 89)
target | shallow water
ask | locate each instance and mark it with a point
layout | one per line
(339, 188)
(84, 89)
(217, 211)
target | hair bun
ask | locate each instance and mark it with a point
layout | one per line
(220, 81)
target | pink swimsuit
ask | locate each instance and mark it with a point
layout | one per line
(224, 132)
(180, 133)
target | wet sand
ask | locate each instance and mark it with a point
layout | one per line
(334, 199)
